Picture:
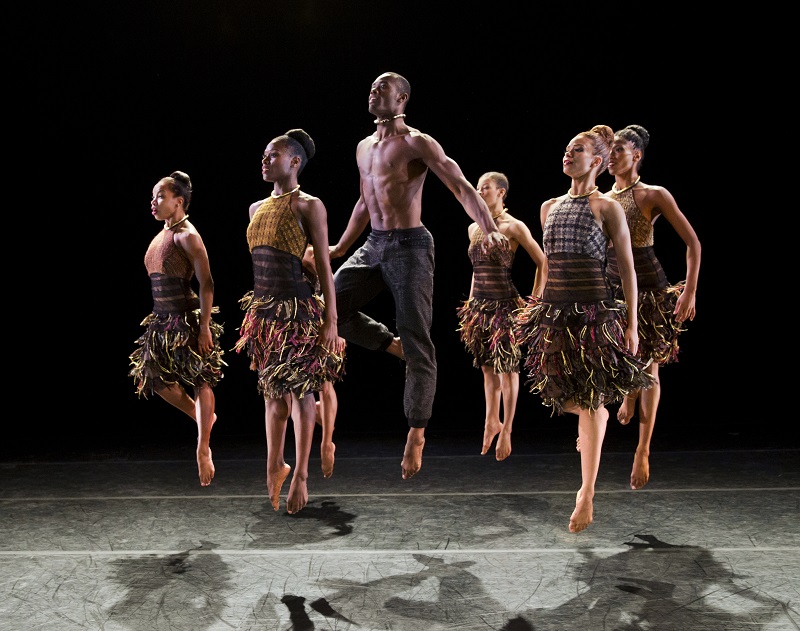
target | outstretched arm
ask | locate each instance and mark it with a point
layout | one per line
(448, 171)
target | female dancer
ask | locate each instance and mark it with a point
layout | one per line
(289, 332)
(663, 308)
(581, 346)
(180, 347)
(485, 319)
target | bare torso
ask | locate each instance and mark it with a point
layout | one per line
(392, 174)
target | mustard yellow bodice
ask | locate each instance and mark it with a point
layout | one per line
(275, 225)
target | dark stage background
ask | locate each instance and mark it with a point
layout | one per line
(126, 94)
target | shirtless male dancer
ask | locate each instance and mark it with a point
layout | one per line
(398, 254)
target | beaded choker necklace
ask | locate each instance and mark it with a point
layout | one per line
(381, 121)
(177, 223)
(500, 213)
(622, 190)
(582, 194)
(294, 190)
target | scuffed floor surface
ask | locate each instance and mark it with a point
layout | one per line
(135, 543)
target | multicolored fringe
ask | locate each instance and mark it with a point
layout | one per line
(280, 337)
(166, 354)
(658, 329)
(486, 327)
(576, 353)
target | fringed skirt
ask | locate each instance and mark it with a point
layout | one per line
(486, 327)
(575, 351)
(280, 338)
(167, 355)
(658, 329)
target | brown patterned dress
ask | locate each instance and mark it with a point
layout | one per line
(485, 321)
(167, 350)
(658, 329)
(283, 313)
(575, 336)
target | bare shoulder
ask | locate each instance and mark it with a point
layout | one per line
(186, 229)
(367, 140)
(306, 202)
(649, 187)
(307, 198)
(512, 225)
(420, 140)
(653, 191)
(188, 237)
(606, 209)
(256, 205)
(549, 203)
(604, 200)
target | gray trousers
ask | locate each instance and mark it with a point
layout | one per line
(401, 261)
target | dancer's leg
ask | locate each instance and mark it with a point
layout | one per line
(492, 392)
(276, 416)
(648, 406)
(510, 389)
(303, 418)
(591, 431)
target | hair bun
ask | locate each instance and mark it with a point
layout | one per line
(642, 133)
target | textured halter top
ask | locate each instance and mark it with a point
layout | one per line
(571, 228)
(275, 225)
(641, 229)
(164, 257)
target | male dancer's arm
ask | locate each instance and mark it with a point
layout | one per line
(451, 175)
(359, 220)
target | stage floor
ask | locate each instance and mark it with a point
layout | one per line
(126, 539)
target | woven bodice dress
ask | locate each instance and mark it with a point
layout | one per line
(574, 337)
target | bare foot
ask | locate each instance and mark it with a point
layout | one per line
(626, 410)
(412, 455)
(491, 430)
(396, 348)
(298, 494)
(503, 449)
(582, 516)
(275, 482)
(640, 474)
(205, 467)
(326, 452)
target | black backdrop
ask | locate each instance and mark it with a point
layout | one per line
(124, 95)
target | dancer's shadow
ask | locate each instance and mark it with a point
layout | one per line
(653, 585)
(440, 595)
(178, 591)
(319, 521)
(659, 586)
